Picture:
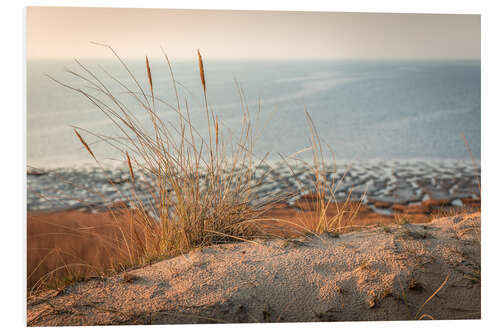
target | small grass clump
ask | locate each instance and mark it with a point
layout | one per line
(402, 219)
(453, 211)
(320, 211)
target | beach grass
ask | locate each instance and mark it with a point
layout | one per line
(200, 188)
(201, 185)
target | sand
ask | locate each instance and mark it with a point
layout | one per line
(382, 273)
(87, 243)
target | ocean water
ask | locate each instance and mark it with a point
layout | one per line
(363, 110)
(395, 128)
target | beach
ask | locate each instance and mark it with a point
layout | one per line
(165, 195)
(253, 167)
(311, 167)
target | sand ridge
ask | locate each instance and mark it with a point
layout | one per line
(382, 273)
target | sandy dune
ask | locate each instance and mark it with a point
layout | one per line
(378, 274)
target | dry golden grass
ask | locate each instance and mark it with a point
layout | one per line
(453, 211)
(320, 211)
(203, 188)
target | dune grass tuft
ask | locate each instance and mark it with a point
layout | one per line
(201, 188)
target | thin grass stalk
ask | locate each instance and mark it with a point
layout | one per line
(203, 83)
(431, 297)
(131, 170)
(472, 159)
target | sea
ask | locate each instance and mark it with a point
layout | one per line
(378, 113)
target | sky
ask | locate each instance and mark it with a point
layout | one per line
(64, 32)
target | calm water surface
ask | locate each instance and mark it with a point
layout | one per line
(386, 110)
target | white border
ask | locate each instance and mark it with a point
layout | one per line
(13, 134)
(387, 6)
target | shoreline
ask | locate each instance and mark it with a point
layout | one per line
(396, 182)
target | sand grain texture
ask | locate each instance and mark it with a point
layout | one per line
(378, 274)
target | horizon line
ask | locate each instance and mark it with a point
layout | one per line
(207, 59)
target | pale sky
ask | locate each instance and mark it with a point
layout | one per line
(63, 32)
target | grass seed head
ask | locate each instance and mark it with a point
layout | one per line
(84, 143)
(202, 72)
